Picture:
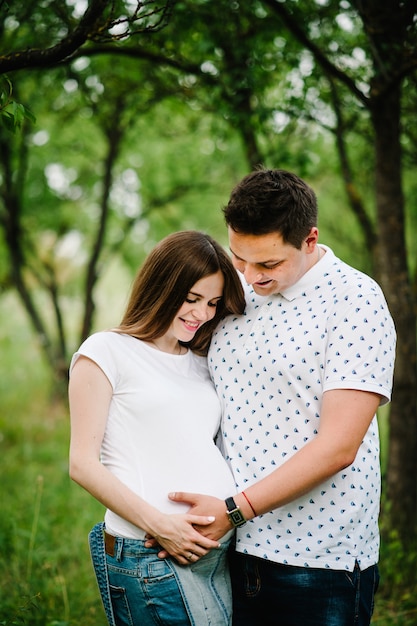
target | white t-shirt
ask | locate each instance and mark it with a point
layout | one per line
(331, 330)
(163, 418)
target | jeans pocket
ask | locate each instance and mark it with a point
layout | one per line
(144, 591)
(120, 604)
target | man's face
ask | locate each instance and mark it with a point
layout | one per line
(269, 264)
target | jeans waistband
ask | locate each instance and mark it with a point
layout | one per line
(118, 547)
(124, 546)
(109, 543)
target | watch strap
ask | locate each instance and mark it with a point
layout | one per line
(234, 513)
(230, 504)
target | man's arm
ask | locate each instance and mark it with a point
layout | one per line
(344, 420)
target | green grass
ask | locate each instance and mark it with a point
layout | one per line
(47, 579)
(46, 576)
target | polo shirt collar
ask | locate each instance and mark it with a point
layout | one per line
(311, 279)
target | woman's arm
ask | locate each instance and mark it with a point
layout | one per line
(90, 394)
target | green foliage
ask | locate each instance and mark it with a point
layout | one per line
(12, 113)
(397, 598)
(177, 116)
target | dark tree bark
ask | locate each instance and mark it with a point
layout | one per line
(114, 137)
(10, 220)
(395, 280)
(389, 29)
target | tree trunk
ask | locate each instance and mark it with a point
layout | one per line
(395, 281)
(113, 136)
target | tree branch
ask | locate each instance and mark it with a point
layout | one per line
(328, 67)
(93, 26)
(34, 57)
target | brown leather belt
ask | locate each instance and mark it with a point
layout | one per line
(109, 543)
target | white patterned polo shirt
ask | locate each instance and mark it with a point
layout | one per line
(331, 330)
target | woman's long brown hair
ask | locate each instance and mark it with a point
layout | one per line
(165, 280)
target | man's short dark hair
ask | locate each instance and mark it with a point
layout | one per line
(267, 201)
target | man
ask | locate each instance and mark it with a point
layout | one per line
(301, 375)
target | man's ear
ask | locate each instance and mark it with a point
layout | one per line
(311, 239)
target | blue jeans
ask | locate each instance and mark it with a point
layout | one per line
(139, 589)
(272, 594)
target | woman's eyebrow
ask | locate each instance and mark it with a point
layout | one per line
(199, 295)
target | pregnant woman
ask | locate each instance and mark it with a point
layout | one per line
(144, 417)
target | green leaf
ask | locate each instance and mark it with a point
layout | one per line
(14, 114)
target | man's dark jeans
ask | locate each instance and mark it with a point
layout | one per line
(270, 594)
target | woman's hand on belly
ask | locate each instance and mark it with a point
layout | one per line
(180, 538)
(202, 508)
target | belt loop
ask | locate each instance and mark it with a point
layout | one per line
(119, 550)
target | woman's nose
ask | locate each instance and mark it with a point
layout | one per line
(202, 311)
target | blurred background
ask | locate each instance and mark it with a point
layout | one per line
(123, 121)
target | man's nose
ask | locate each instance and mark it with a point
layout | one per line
(251, 274)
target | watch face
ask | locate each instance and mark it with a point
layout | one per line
(236, 518)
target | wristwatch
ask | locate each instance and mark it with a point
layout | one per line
(235, 515)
